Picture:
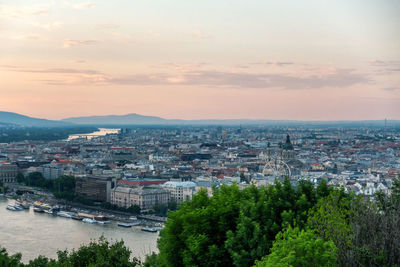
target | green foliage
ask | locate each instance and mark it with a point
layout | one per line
(243, 178)
(366, 232)
(295, 247)
(162, 210)
(100, 253)
(376, 231)
(331, 221)
(396, 189)
(20, 177)
(62, 187)
(152, 260)
(9, 260)
(233, 227)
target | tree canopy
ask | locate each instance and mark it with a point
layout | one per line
(234, 227)
(295, 247)
(99, 253)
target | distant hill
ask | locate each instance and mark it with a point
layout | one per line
(15, 119)
(8, 119)
(118, 119)
(137, 119)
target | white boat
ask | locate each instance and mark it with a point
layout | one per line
(49, 211)
(18, 207)
(101, 219)
(11, 207)
(23, 204)
(88, 220)
(64, 214)
(37, 209)
(103, 222)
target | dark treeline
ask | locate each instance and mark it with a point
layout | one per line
(62, 187)
(17, 134)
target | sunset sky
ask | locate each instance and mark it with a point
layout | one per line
(187, 59)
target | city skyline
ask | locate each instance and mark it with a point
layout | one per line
(205, 60)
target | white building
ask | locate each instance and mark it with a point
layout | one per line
(180, 191)
(144, 197)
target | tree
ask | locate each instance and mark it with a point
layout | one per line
(134, 209)
(233, 227)
(376, 230)
(295, 247)
(331, 221)
(396, 188)
(96, 253)
(243, 178)
(20, 178)
(100, 253)
(9, 260)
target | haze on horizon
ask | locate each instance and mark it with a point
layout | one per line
(228, 59)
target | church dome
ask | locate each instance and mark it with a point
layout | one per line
(287, 145)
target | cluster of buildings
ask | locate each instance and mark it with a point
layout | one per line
(149, 166)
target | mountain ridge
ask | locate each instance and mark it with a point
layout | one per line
(138, 119)
(15, 119)
(8, 119)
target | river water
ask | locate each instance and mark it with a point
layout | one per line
(35, 234)
(99, 132)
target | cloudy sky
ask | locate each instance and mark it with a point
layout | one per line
(187, 59)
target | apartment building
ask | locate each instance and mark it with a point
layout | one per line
(144, 197)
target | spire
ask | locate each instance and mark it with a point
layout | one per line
(288, 145)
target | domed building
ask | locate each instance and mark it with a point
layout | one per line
(283, 162)
(287, 154)
(286, 151)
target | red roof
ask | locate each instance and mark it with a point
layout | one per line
(142, 182)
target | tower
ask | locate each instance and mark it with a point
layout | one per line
(286, 152)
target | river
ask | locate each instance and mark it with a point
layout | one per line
(99, 132)
(35, 234)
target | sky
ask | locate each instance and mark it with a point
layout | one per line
(187, 59)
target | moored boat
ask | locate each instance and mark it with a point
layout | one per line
(103, 222)
(88, 220)
(77, 217)
(130, 224)
(38, 210)
(102, 219)
(18, 207)
(64, 214)
(23, 204)
(149, 229)
(11, 207)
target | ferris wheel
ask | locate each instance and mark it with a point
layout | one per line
(276, 168)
